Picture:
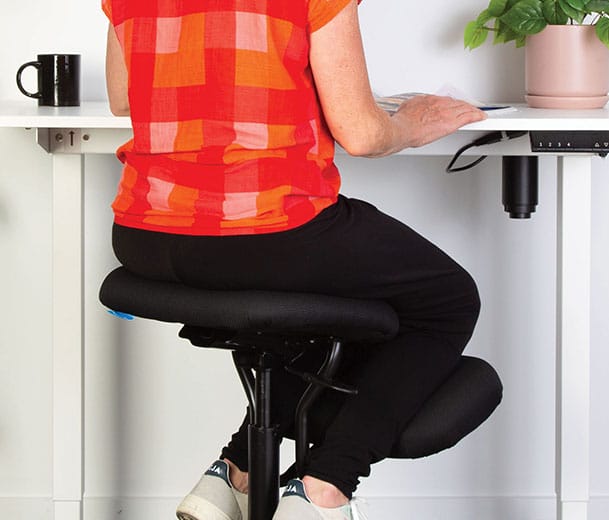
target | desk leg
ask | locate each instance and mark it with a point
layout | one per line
(67, 336)
(573, 337)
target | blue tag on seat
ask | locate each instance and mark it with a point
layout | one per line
(121, 315)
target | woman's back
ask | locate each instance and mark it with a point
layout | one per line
(229, 137)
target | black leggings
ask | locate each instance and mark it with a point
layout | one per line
(350, 249)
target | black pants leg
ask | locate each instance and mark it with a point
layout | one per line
(350, 249)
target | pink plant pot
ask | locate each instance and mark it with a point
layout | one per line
(567, 66)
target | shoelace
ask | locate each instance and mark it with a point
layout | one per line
(356, 512)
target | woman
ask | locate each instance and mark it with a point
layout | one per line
(230, 183)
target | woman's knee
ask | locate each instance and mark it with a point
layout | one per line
(466, 302)
(471, 293)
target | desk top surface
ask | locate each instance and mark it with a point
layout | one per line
(96, 114)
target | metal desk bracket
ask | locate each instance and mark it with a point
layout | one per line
(61, 140)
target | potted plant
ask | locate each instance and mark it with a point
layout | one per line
(566, 46)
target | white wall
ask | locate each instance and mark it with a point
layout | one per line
(152, 423)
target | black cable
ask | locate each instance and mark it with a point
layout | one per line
(491, 138)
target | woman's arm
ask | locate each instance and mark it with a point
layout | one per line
(356, 122)
(116, 76)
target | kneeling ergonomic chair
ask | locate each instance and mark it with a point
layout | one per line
(264, 329)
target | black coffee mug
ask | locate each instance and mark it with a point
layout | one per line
(58, 80)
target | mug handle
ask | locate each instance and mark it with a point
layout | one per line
(36, 64)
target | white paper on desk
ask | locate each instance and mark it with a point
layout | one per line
(391, 103)
(490, 108)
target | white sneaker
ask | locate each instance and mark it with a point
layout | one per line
(214, 497)
(295, 504)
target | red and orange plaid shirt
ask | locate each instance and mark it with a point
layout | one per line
(228, 134)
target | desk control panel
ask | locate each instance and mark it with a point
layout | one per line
(576, 141)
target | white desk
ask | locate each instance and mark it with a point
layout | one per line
(69, 133)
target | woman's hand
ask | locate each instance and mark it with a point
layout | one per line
(427, 118)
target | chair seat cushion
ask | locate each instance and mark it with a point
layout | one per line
(461, 404)
(266, 311)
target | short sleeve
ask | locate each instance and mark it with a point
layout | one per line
(322, 11)
(107, 8)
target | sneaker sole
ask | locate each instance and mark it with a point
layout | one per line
(196, 508)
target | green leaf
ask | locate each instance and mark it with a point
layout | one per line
(553, 14)
(598, 6)
(521, 41)
(526, 17)
(602, 30)
(578, 5)
(503, 34)
(497, 7)
(475, 35)
(571, 12)
(484, 17)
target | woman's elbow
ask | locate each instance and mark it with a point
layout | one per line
(118, 100)
(365, 136)
(357, 148)
(120, 109)
(369, 145)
